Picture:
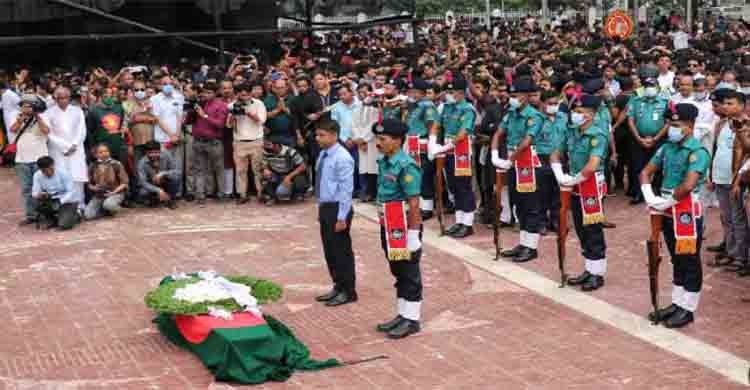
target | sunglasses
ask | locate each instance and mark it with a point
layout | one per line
(139, 89)
(740, 123)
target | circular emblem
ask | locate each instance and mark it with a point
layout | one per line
(685, 218)
(590, 201)
(619, 24)
(530, 122)
(594, 142)
(408, 178)
(379, 128)
(397, 234)
(675, 117)
(111, 122)
(693, 158)
(525, 171)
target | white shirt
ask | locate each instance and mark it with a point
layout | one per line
(679, 99)
(9, 104)
(169, 111)
(247, 129)
(666, 81)
(67, 128)
(31, 145)
(680, 40)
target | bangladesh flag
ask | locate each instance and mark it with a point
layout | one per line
(247, 349)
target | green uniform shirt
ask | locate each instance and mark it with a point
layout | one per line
(421, 117)
(392, 113)
(551, 134)
(399, 178)
(580, 147)
(518, 125)
(676, 160)
(456, 117)
(648, 114)
(603, 118)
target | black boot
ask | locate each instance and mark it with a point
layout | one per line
(390, 325)
(721, 247)
(427, 215)
(595, 282)
(679, 319)
(403, 329)
(663, 314)
(524, 255)
(327, 296)
(511, 252)
(580, 279)
(463, 232)
(453, 228)
(745, 271)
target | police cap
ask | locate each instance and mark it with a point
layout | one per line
(593, 86)
(684, 112)
(392, 127)
(523, 85)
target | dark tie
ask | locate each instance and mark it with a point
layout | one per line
(319, 173)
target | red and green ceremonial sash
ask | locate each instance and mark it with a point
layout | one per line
(590, 193)
(413, 149)
(394, 223)
(525, 172)
(462, 160)
(684, 214)
(196, 329)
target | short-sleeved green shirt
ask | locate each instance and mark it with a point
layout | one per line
(648, 114)
(551, 134)
(676, 160)
(603, 118)
(421, 117)
(399, 178)
(581, 146)
(519, 124)
(456, 117)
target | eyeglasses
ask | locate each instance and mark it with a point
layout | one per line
(139, 89)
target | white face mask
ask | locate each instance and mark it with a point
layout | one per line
(514, 103)
(140, 95)
(450, 99)
(700, 95)
(552, 109)
(578, 119)
(650, 91)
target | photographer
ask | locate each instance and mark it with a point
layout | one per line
(246, 117)
(283, 172)
(208, 150)
(108, 181)
(31, 144)
(55, 195)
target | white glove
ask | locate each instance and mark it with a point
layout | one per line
(566, 180)
(558, 171)
(648, 193)
(432, 146)
(662, 204)
(498, 162)
(446, 147)
(412, 240)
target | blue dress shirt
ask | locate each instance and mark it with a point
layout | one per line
(335, 179)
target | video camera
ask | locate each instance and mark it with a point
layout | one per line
(238, 109)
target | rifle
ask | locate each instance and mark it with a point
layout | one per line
(499, 182)
(652, 248)
(439, 166)
(562, 233)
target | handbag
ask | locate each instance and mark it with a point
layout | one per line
(9, 151)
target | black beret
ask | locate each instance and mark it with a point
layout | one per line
(593, 86)
(458, 84)
(684, 112)
(419, 84)
(590, 101)
(398, 83)
(650, 81)
(523, 85)
(735, 95)
(392, 127)
(720, 94)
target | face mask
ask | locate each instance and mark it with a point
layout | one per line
(650, 91)
(514, 103)
(411, 100)
(167, 89)
(700, 95)
(552, 109)
(450, 99)
(578, 119)
(108, 101)
(675, 134)
(140, 95)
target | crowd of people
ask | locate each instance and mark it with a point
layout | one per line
(667, 105)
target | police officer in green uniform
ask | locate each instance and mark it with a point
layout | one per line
(585, 148)
(422, 114)
(554, 128)
(457, 122)
(647, 125)
(399, 179)
(520, 128)
(684, 163)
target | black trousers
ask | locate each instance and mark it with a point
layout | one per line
(337, 247)
(591, 236)
(460, 186)
(428, 177)
(64, 215)
(487, 186)
(686, 269)
(407, 273)
(170, 185)
(640, 157)
(622, 142)
(550, 199)
(528, 204)
(299, 185)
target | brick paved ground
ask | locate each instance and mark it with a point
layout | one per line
(76, 318)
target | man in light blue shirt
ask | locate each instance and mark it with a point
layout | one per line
(334, 182)
(52, 189)
(342, 113)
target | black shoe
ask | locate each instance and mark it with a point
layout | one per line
(608, 225)
(543, 232)
(327, 296)
(636, 200)
(736, 266)
(388, 326)
(201, 203)
(525, 255)
(427, 215)
(663, 313)
(242, 200)
(27, 221)
(403, 329)
(595, 282)
(463, 232)
(679, 319)
(172, 205)
(342, 299)
(745, 271)
(511, 252)
(580, 279)
(719, 248)
(189, 198)
(453, 228)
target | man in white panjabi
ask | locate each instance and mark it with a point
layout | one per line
(363, 118)
(67, 131)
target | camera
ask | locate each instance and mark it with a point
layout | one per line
(190, 104)
(238, 109)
